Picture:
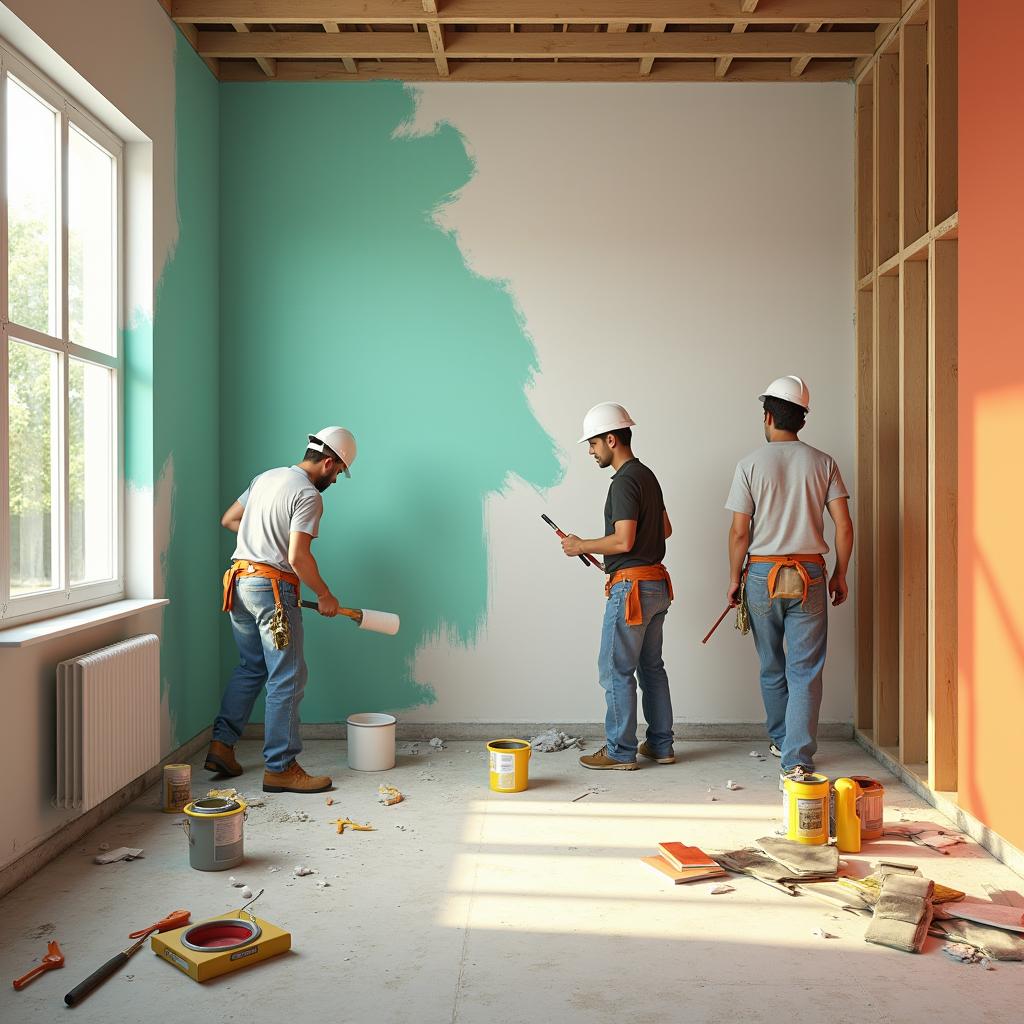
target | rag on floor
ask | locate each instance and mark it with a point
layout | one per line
(995, 943)
(903, 913)
(748, 861)
(997, 915)
(801, 860)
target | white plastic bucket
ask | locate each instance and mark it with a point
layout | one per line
(371, 742)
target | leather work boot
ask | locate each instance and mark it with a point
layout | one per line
(602, 762)
(645, 751)
(295, 780)
(221, 760)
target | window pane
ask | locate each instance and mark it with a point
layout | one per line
(32, 209)
(91, 281)
(92, 525)
(34, 503)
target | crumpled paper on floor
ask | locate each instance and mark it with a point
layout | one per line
(121, 853)
(553, 740)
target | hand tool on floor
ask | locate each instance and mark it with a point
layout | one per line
(175, 919)
(366, 618)
(585, 559)
(54, 958)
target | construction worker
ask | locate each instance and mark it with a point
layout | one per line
(638, 592)
(778, 497)
(276, 520)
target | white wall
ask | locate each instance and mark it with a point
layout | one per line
(673, 248)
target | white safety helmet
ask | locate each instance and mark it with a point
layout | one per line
(603, 418)
(339, 440)
(789, 389)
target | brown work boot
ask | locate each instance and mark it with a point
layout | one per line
(221, 760)
(645, 751)
(602, 762)
(295, 780)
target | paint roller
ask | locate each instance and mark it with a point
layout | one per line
(366, 618)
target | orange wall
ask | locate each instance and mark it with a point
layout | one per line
(991, 414)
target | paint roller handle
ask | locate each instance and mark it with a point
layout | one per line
(728, 608)
(354, 614)
(83, 988)
(585, 559)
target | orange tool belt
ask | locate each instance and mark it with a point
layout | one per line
(242, 567)
(634, 611)
(789, 562)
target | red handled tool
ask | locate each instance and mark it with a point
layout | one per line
(728, 608)
(54, 958)
(583, 558)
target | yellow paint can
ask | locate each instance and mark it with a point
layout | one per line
(805, 809)
(509, 765)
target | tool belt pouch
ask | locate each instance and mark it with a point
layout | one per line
(742, 611)
(280, 628)
(788, 583)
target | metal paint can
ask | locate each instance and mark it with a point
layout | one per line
(214, 829)
(177, 787)
(870, 807)
(805, 809)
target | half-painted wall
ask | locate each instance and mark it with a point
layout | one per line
(457, 274)
(991, 416)
(127, 63)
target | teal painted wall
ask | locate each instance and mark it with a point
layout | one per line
(342, 302)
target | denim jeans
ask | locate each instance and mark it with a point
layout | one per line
(790, 638)
(261, 664)
(629, 653)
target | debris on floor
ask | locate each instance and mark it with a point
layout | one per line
(966, 954)
(757, 754)
(425, 776)
(291, 817)
(235, 882)
(925, 833)
(552, 740)
(437, 743)
(590, 791)
(301, 870)
(246, 893)
(722, 888)
(343, 823)
(121, 853)
(732, 785)
(233, 794)
(330, 801)
(103, 846)
(389, 795)
(322, 883)
(820, 933)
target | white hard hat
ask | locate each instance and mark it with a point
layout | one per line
(789, 389)
(339, 440)
(603, 419)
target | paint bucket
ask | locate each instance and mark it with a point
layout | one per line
(805, 809)
(371, 742)
(214, 829)
(177, 787)
(509, 765)
(870, 807)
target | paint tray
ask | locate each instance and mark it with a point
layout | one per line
(221, 944)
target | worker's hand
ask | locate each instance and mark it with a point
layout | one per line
(733, 594)
(572, 546)
(328, 605)
(837, 588)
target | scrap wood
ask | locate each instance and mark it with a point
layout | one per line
(342, 823)
(996, 915)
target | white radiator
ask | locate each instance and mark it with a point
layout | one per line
(108, 720)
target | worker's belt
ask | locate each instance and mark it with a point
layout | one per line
(780, 578)
(634, 611)
(244, 568)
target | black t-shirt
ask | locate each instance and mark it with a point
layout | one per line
(635, 493)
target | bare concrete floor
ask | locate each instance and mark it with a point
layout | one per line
(477, 908)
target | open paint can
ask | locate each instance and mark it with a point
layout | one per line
(229, 933)
(509, 764)
(214, 829)
(371, 742)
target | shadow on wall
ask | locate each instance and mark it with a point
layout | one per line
(342, 302)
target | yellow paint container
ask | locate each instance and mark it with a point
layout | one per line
(509, 765)
(805, 809)
(177, 787)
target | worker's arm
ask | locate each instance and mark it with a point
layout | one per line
(232, 519)
(302, 561)
(739, 543)
(618, 543)
(668, 523)
(839, 510)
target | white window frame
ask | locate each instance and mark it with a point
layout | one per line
(63, 597)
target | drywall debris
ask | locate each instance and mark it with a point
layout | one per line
(121, 853)
(732, 785)
(301, 870)
(757, 754)
(967, 954)
(389, 795)
(246, 893)
(322, 883)
(590, 791)
(722, 888)
(437, 743)
(235, 882)
(291, 817)
(425, 776)
(552, 740)
(233, 794)
(104, 846)
(822, 934)
(272, 870)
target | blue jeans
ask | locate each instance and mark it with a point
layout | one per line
(629, 653)
(791, 638)
(261, 664)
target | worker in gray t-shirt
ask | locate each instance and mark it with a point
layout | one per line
(778, 498)
(276, 519)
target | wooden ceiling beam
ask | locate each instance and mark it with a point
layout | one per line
(646, 63)
(800, 63)
(267, 64)
(540, 12)
(347, 62)
(436, 32)
(538, 45)
(722, 63)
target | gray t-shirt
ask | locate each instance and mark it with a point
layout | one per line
(785, 486)
(277, 503)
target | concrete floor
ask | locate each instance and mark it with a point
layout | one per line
(471, 907)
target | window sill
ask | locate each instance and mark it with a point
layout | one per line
(62, 625)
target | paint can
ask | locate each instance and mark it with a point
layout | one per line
(177, 787)
(805, 809)
(870, 807)
(214, 829)
(371, 742)
(509, 765)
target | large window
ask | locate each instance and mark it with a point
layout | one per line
(60, 351)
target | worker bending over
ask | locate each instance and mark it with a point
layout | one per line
(638, 592)
(778, 497)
